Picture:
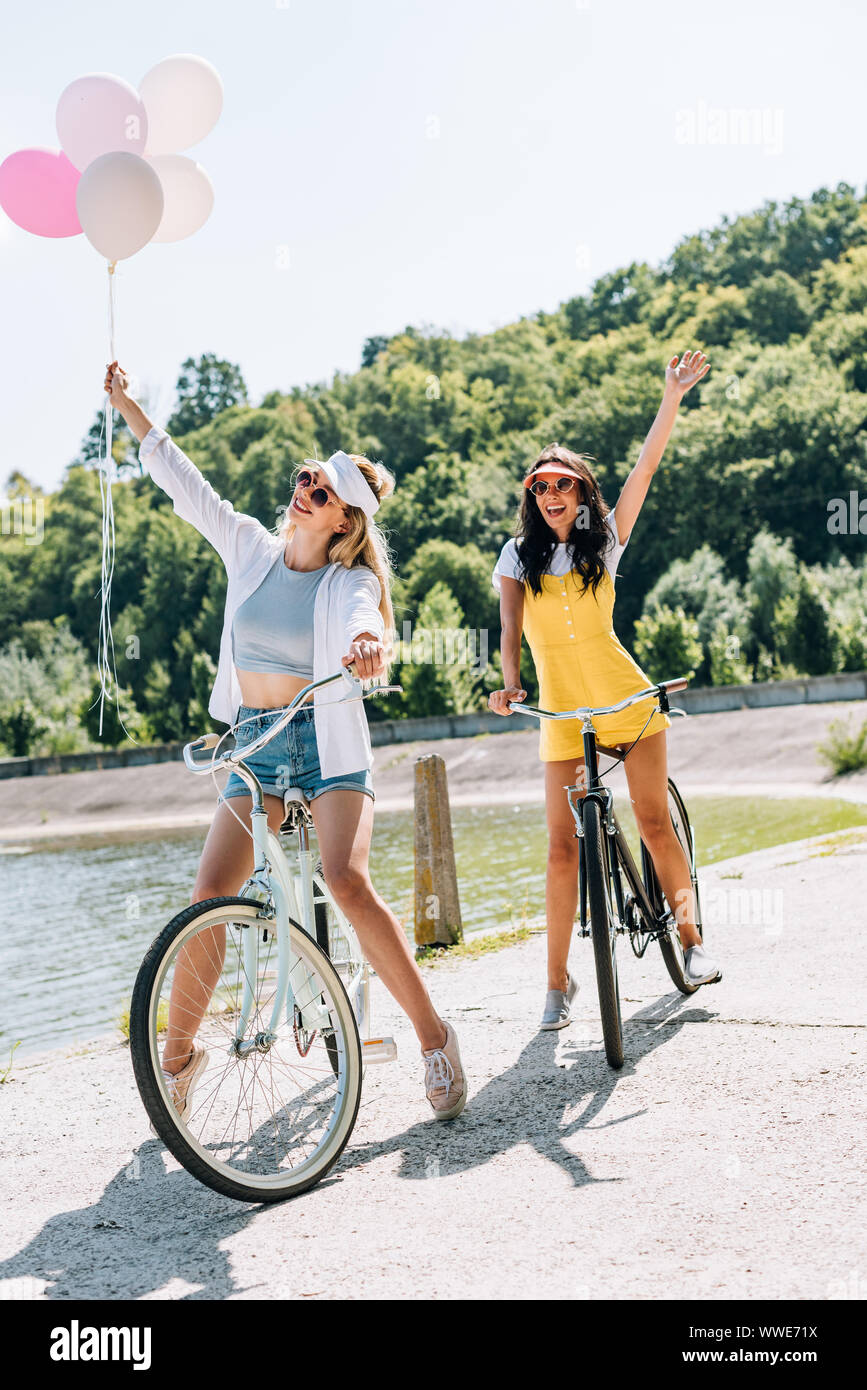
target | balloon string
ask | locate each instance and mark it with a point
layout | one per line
(105, 658)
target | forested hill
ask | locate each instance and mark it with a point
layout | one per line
(734, 563)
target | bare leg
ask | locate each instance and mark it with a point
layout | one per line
(647, 774)
(561, 884)
(226, 862)
(344, 824)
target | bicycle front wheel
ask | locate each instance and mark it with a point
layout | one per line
(602, 930)
(277, 1099)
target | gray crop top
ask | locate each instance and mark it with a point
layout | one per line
(272, 630)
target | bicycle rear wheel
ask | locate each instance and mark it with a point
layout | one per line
(273, 1109)
(602, 930)
(343, 950)
(669, 943)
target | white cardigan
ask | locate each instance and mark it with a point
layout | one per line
(346, 604)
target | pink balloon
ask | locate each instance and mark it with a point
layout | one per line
(98, 113)
(37, 190)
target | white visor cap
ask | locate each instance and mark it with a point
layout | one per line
(348, 481)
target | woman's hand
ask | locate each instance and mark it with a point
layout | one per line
(116, 385)
(681, 376)
(368, 654)
(498, 700)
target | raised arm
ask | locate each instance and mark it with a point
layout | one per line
(679, 378)
(193, 497)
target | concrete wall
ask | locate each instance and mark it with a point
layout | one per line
(848, 685)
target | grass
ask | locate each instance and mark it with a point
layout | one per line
(845, 749)
(4, 1075)
(162, 1018)
(477, 946)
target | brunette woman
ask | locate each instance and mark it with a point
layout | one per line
(556, 584)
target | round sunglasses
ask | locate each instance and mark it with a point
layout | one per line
(320, 496)
(540, 487)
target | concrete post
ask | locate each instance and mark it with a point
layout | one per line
(437, 908)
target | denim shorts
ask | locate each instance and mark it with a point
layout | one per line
(291, 759)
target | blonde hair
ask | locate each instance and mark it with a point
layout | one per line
(365, 542)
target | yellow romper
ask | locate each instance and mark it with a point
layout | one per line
(580, 661)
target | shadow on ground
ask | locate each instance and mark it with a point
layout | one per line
(151, 1228)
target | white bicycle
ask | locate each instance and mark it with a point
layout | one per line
(285, 989)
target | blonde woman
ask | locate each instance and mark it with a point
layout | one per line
(300, 602)
(556, 584)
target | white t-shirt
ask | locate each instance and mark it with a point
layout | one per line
(561, 561)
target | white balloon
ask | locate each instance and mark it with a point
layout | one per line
(183, 97)
(188, 193)
(120, 203)
(97, 113)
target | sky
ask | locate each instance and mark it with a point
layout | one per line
(452, 163)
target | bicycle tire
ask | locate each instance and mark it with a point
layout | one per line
(602, 932)
(669, 944)
(148, 1073)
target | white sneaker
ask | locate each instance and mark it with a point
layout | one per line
(444, 1081)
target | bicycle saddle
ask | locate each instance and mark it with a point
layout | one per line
(291, 794)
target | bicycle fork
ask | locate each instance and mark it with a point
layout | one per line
(576, 806)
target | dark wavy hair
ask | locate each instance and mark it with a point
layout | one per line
(536, 541)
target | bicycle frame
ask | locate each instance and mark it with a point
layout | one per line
(271, 882)
(615, 840)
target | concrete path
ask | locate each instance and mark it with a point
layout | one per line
(723, 1161)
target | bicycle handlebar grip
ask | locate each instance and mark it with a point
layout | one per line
(680, 684)
(206, 741)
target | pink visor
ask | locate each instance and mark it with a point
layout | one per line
(551, 470)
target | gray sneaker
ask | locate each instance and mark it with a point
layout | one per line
(557, 1012)
(699, 967)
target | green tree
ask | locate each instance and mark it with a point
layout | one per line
(724, 657)
(773, 573)
(778, 307)
(700, 587)
(804, 628)
(465, 569)
(44, 674)
(440, 678)
(121, 720)
(667, 645)
(372, 348)
(205, 388)
(21, 724)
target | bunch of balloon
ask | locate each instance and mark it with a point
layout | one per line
(119, 178)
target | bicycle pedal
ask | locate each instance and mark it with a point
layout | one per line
(379, 1050)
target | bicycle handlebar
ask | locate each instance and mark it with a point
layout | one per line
(229, 759)
(585, 712)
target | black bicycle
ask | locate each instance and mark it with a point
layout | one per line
(621, 900)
